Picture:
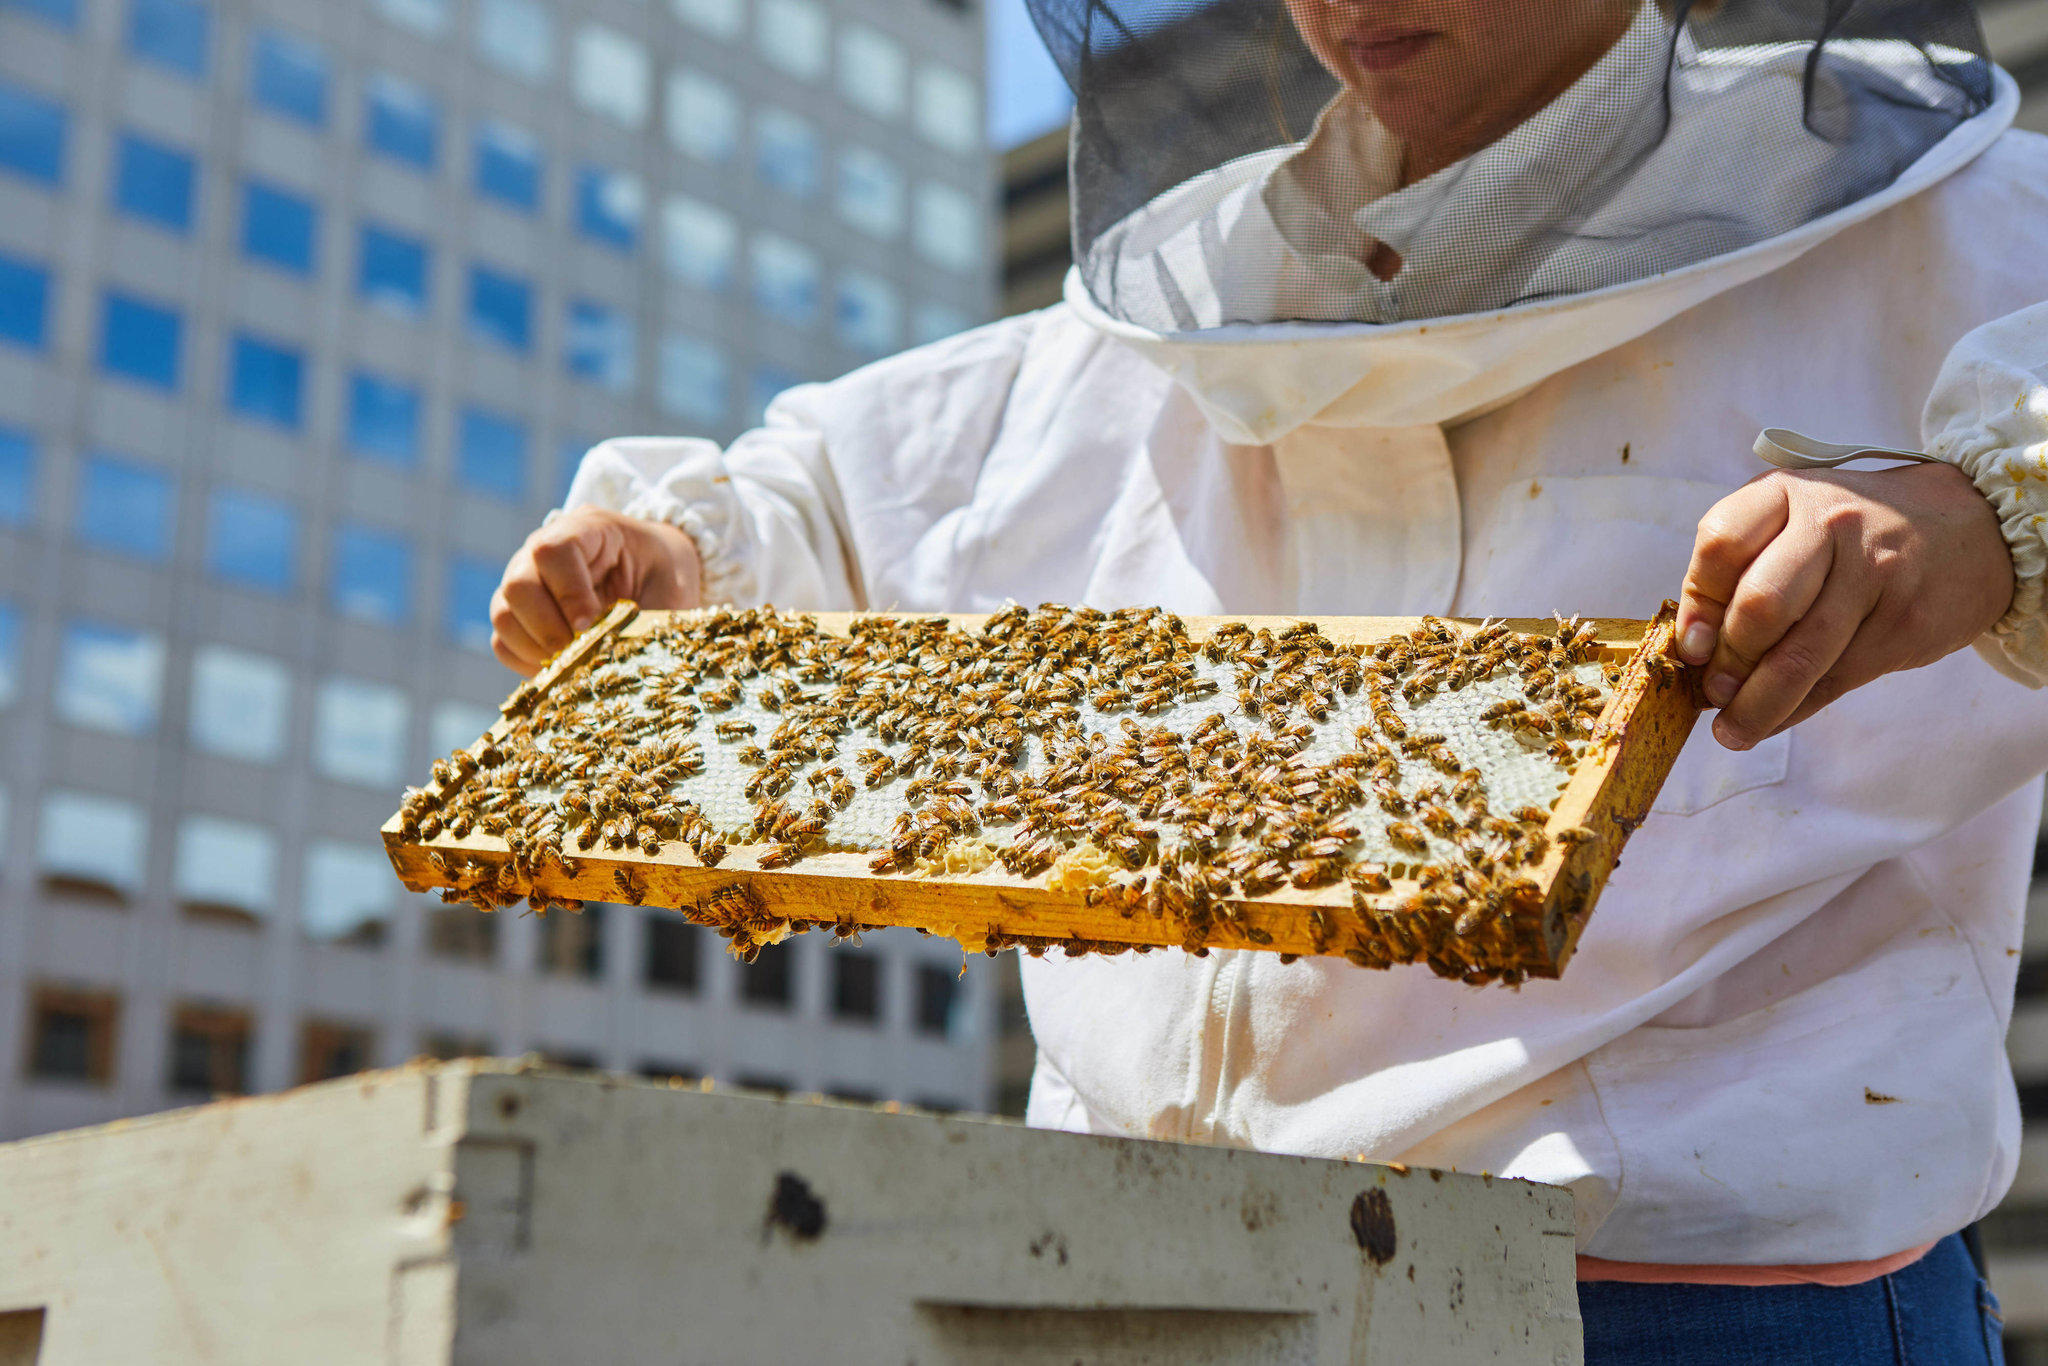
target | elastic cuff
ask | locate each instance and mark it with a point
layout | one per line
(726, 579)
(2017, 488)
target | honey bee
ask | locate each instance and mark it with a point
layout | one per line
(1369, 877)
(733, 730)
(1406, 836)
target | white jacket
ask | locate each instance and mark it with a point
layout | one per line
(1781, 1040)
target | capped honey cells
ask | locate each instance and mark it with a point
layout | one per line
(1396, 794)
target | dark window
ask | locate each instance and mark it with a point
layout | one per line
(330, 1050)
(17, 477)
(656, 1070)
(278, 228)
(770, 979)
(508, 166)
(763, 1081)
(936, 1106)
(936, 988)
(171, 33)
(572, 944)
(71, 1035)
(210, 1051)
(252, 541)
(63, 13)
(392, 271)
(402, 122)
(384, 419)
(500, 309)
(138, 341)
(32, 133)
(854, 1095)
(288, 75)
(575, 1059)
(24, 303)
(446, 1046)
(462, 933)
(671, 951)
(856, 986)
(154, 183)
(264, 381)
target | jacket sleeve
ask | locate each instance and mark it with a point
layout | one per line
(1988, 416)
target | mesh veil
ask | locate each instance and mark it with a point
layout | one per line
(1223, 174)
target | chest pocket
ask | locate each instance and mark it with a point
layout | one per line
(1611, 545)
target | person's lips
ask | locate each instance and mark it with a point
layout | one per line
(1386, 51)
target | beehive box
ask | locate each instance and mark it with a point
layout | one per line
(1389, 790)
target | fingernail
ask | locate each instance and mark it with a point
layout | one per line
(1721, 689)
(1698, 645)
(1729, 736)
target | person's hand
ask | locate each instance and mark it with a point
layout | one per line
(572, 570)
(1806, 585)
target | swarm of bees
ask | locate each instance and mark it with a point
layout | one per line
(1110, 754)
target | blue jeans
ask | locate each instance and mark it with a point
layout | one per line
(1936, 1312)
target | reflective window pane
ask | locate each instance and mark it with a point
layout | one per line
(609, 205)
(153, 182)
(870, 192)
(598, 345)
(698, 243)
(515, 35)
(500, 309)
(241, 704)
(466, 612)
(785, 279)
(92, 839)
(17, 477)
(252, 541)
(948, 227)
(786, 152)
(32, 133)
(611, 75)
(694, 381)
(792, 37)
(871, 70)
(703, 116)
(508, 162)
(138, 340)
(764, 385)
(935, 322)
(359, 733)
(422, 16)
(947, 109)
(225, 864)
(868, 313)
(348, 894)
(172, 33)
(124, 508)
(383, 419)
(264, 380)
(63, 13)
(490, 453)
(24, 303)
(402, 121)
(391, 271)
(277, 228)
(288, 76)
(10, 652)
(719, 18)
(109, 678)
(370, 578)
(458, 725)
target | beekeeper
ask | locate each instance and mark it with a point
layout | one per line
(1475, 307)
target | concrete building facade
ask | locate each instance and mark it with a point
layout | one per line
(307, 310)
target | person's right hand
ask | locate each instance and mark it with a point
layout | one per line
(572, 570)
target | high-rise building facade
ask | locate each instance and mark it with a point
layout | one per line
(307, 310)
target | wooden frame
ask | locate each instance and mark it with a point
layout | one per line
(1646, 722)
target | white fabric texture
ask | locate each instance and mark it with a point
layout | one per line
(1793, 928)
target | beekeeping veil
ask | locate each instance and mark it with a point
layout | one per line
(1223, 174)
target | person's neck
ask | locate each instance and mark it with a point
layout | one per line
(1426, 154)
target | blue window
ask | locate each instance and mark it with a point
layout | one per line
(172, 33)
(466, 615)
(31, 135)
(599, 345)
(63, 13)
(140, 341)
(17, 477)
(608, 207)
(154, 183)
(403, 121)
(393, 271)
(24, 303)
(278, 228)
(508, 165)
(288, 75)
(500, 309)
(10, 653)
(372, 576)
(264, 380)
(124, 508)
(252, 540)
(383, 419)
(491, 453)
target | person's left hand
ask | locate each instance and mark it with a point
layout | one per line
(1807, 584)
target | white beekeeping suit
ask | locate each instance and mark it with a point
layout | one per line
(1781, 1040)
